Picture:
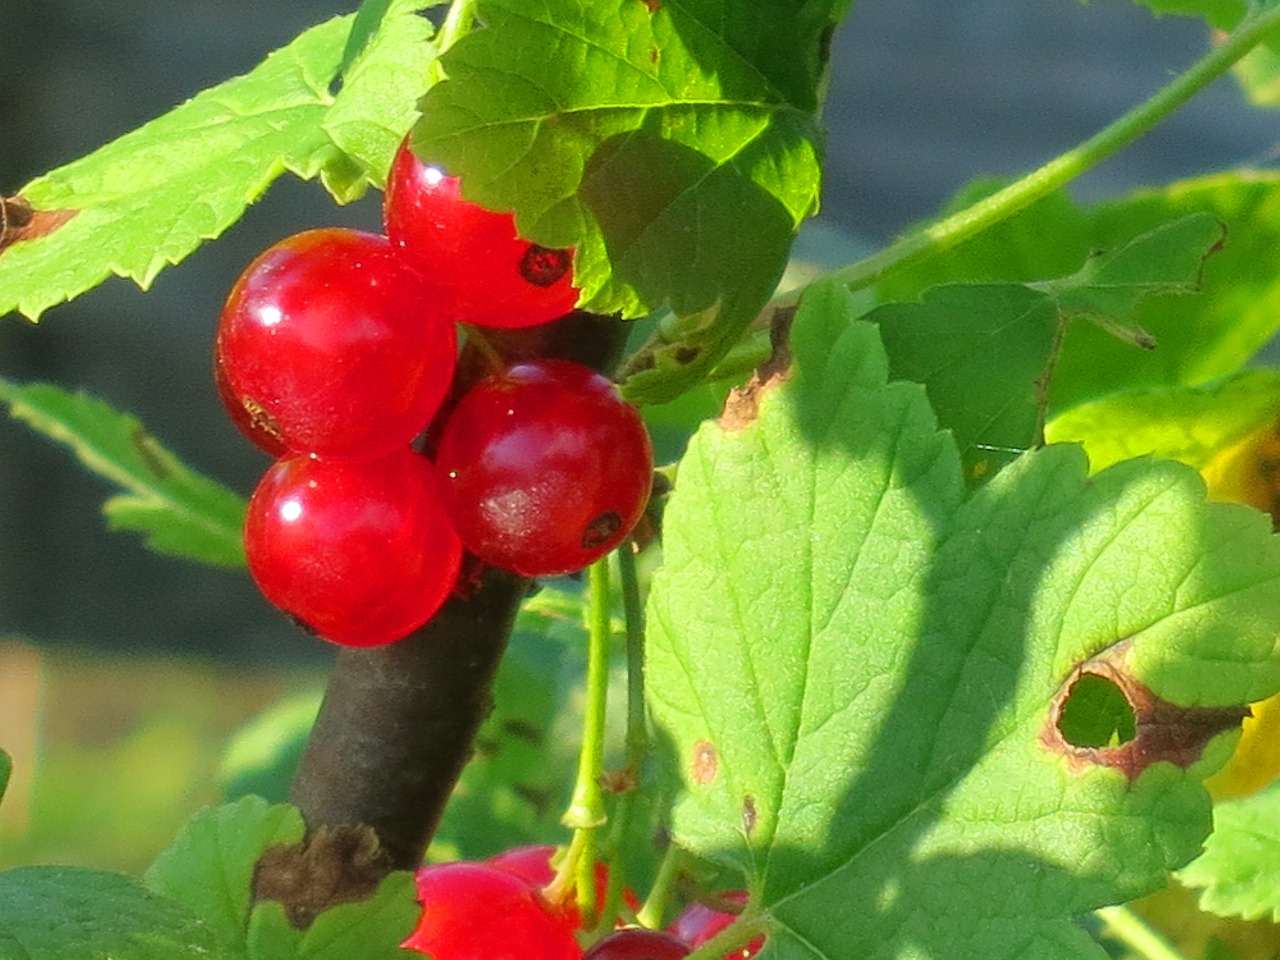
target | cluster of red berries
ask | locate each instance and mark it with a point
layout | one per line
(336, 353)
(498, 910)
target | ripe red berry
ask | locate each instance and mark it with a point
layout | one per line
(474, 911)
(533, 865)
(638, 944)
(699, 923)
(481, 272)
(255, 430)
(360, 551)
(544, 468)
(329, 343)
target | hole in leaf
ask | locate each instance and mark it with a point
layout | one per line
(1096, 713)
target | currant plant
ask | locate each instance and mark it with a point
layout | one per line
(950, 633)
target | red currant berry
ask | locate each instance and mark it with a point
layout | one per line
(638, 944)
(360, 551)
(473, 911)
(481, 271)
(329, 343)
(533, 865)
(544, 468)
(699, 923)
(243, 419)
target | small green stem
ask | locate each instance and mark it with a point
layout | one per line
(637, 742)
(653, 911)
(732, 939)
(1136, 934)
(916, 247)
(586, 811)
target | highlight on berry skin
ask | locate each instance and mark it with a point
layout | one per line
(480, 271)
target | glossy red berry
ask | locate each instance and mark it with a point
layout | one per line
(481, 272)
(330, 344)
(475, 911)
(360, 551)
(533, 865)
(255, 430)
(699, 923)
(544, 468)
(638, 944)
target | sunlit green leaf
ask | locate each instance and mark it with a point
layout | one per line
(178, 511)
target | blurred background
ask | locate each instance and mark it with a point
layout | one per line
(926, 95)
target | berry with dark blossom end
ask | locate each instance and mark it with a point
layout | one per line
(475, 911)
(479, 270)
(329, 344)
(638, 944)
(359, 551)
(544, 468)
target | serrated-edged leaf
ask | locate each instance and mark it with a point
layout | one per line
(1167, 259)
(179, 511)
(859, 668)
(371, 929)
(64, 913)
(979, 350)
(674, 145)
(148, 199)
(1239, 872)
(209, 866)
(377, 102)
(1195, 425)
(151, 197)
(1199, 338)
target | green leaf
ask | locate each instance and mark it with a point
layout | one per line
(1167, 260)
(380, 90)
(65, 913)
(6, 768)
(858, 668)
(179, 511)
(1223, 14)
(263, 755)
(1199, 338)
(371, 929)
(674, 145)
(209, 866)
(1258, 74)
(1192, 424)
(1239, 871)
(150, 198)
(980, 350)
(985, 351)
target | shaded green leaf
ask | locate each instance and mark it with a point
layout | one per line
(377, 102)
(179, 511)
(1239, 872)
(150, 198)
(65, 913)
(674, 145)
(209, 866)
(1199, 338)
(6, 768)
(979, 350)
(859, 668)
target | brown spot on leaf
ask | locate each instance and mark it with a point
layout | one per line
(653, 5)
(149, 453)
(743, 404)
(748, 813)
(20, 221)
(1163, 731)
(335, 865)
(705, 762)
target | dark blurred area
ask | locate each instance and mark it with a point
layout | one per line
(926, 95)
